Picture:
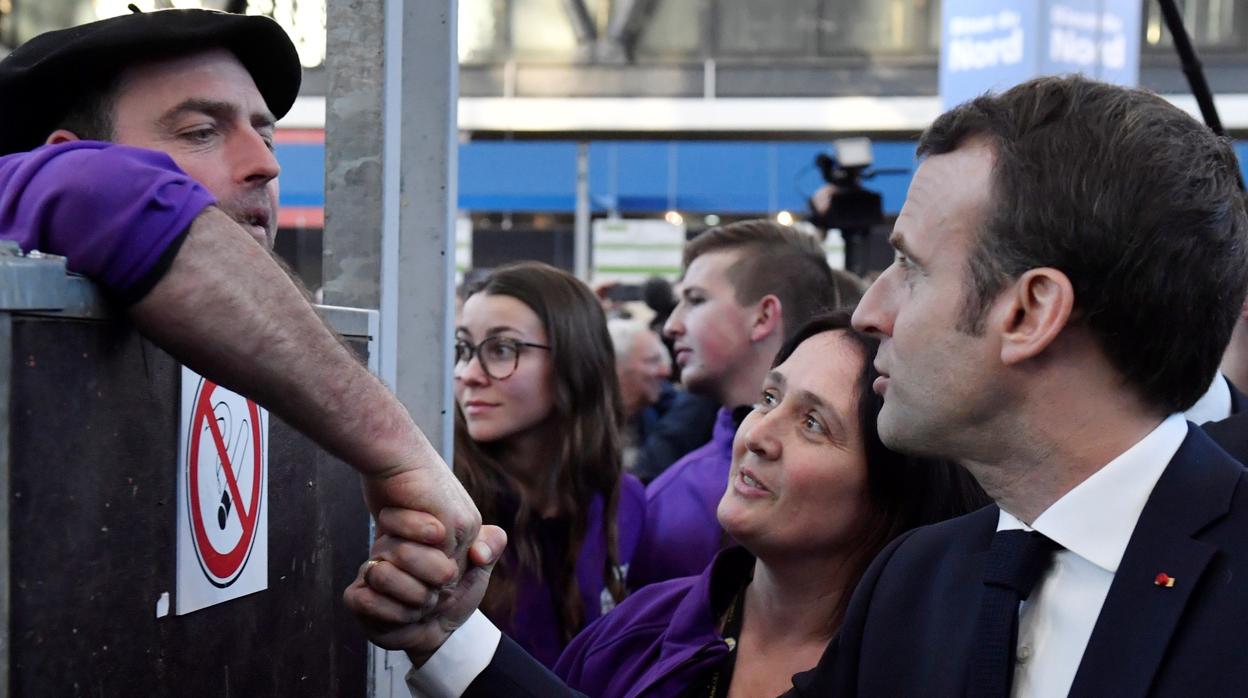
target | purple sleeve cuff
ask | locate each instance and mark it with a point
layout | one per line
(117, 214)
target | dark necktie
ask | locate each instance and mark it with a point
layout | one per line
(1016, 561)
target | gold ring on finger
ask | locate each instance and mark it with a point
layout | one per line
(368, 567)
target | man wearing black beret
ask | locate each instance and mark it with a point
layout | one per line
(141, 149)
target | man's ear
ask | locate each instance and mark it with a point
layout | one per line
(61, 135)
(1037, 309)
(768, 318)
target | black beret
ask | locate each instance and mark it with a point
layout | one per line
(40, 80)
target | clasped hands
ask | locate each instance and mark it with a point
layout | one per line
(417, 588)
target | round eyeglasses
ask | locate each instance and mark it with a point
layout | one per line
(499, 356)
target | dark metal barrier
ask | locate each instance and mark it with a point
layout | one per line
(88, 473)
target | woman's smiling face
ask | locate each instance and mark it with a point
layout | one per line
(799, 471)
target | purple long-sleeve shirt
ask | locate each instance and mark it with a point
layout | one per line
(682, 532)
(663, 640)
(117, 214)
(535, 625)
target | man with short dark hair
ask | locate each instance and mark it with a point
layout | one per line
(172, 216)
(1070, 266)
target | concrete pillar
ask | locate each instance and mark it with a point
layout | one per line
(390, 195)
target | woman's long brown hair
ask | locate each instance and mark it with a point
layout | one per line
(586, 413)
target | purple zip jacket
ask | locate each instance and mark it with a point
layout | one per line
(662, 639)
(117, 214)
(536, 626)
(682, 532)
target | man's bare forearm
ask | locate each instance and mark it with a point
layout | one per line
(228, 311)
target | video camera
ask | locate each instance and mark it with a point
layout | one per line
(844, 203)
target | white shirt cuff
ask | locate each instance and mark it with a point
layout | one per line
(458, 662)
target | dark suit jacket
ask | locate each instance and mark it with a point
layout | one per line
(909, 625)
(513, 673)
(908, 630)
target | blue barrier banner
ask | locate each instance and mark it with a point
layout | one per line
(993, 45)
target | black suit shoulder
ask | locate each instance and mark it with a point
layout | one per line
(513, 673)
(1188, 639)
(1232, 435)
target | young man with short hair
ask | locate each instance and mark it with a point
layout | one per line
(746, 286)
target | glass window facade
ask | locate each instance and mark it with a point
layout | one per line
(763, 47)
(483, 30)
(676, 29)
(1217, 25)
(304, 20)
(879, 26)
(775, 28)
(541, 30)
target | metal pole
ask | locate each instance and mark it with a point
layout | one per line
(1191, 65)
(351, 258)
(420, 171)
(420, 201)
(1194, 71)
(391, 173)
(580, 241)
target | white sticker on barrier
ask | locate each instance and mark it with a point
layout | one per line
(223, 464)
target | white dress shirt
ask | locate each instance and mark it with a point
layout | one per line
(1093, 523)
(464, 655)
(1214, 405)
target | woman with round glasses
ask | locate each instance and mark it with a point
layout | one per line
(537, 446)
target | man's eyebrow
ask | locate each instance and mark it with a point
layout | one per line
(215, 109)
(263, 119)
(898, 242)
(777, 378)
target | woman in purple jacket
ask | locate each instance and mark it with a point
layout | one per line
(812, 497)
(537, 446)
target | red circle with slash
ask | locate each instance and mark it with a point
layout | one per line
(222, 567)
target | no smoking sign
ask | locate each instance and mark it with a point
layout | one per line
(222, 495)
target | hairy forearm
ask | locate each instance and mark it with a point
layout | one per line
(228, 311)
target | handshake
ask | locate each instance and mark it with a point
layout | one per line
(428, 569)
